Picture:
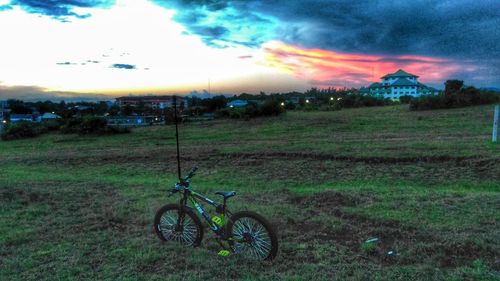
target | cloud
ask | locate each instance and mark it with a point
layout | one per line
(81, 63)
(66, 63)
(35, 93)
(461, 28)
(223, 24)
(463, 31)
(329, 68)
(5, 8)
(123, 66)
(60, 10)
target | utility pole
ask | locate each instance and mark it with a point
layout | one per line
(494, 134)
(177, 139)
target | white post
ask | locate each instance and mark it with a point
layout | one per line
(495, 123)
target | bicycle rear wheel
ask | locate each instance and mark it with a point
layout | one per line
(251, 235)
(188, 232)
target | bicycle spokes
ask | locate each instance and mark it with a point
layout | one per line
(184, 233)
(251, 238)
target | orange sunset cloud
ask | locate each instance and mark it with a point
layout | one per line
(325, 68)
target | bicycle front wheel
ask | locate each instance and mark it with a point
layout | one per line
(252, 236)
(179, 225)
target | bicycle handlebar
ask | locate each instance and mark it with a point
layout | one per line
(191, 173)
(184, 182)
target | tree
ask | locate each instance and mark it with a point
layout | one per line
(215, 103)
(18, 107)
(452, 87)
(127, 110)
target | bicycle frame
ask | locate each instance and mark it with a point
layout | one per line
(193, 196)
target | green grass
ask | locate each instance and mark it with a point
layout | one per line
(426, 184)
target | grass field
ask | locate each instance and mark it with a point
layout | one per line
(426, 184)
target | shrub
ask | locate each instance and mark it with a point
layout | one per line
(23, 130)
(356, 100)
(52, 125)
(112, 130)
(221, 113)
(71, 126)
(427, 102)
(91, 125)
(271, 107)
(464, 97)
(290, 106)
(405, 99)
(251, 110)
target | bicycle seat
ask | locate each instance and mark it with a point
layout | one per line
(226, 194)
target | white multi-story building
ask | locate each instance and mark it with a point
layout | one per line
(398, 84)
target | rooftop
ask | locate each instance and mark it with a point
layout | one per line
(403, 82)
(399, 73)
(143, 98)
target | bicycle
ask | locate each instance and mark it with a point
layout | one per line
(246, 233)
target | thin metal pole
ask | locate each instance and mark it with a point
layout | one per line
(495, 123)
(177, 139)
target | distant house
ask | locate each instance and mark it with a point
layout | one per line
(4, 109)
(49, 116)
(155, 102)
(131, 121)
(82, 107)
(294, 100)
(398, 84)
(14, 118)
(4, 112)
(237, 103)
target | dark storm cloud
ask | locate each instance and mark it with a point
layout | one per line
(5, 8)
(35, 93)
(74, 63)
(123, 66)
(60, 9)
(66, 63)
(458, 28)
(222, 23)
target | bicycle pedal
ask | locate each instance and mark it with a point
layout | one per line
(224, 253)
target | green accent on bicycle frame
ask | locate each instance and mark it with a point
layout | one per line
(202, 212)
(218, 220)
(224, 253)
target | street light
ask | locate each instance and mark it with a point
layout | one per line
(331, 98)
(307, 101)
(282, 104)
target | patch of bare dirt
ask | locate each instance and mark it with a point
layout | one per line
(23, 196)
(328, 200)
(396, 243)
(334, 157)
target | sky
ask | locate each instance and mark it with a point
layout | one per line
(105, 48)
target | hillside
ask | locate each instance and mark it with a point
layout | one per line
(426, 183)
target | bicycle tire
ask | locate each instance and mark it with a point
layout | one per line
(165, 224)
(262, 241)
